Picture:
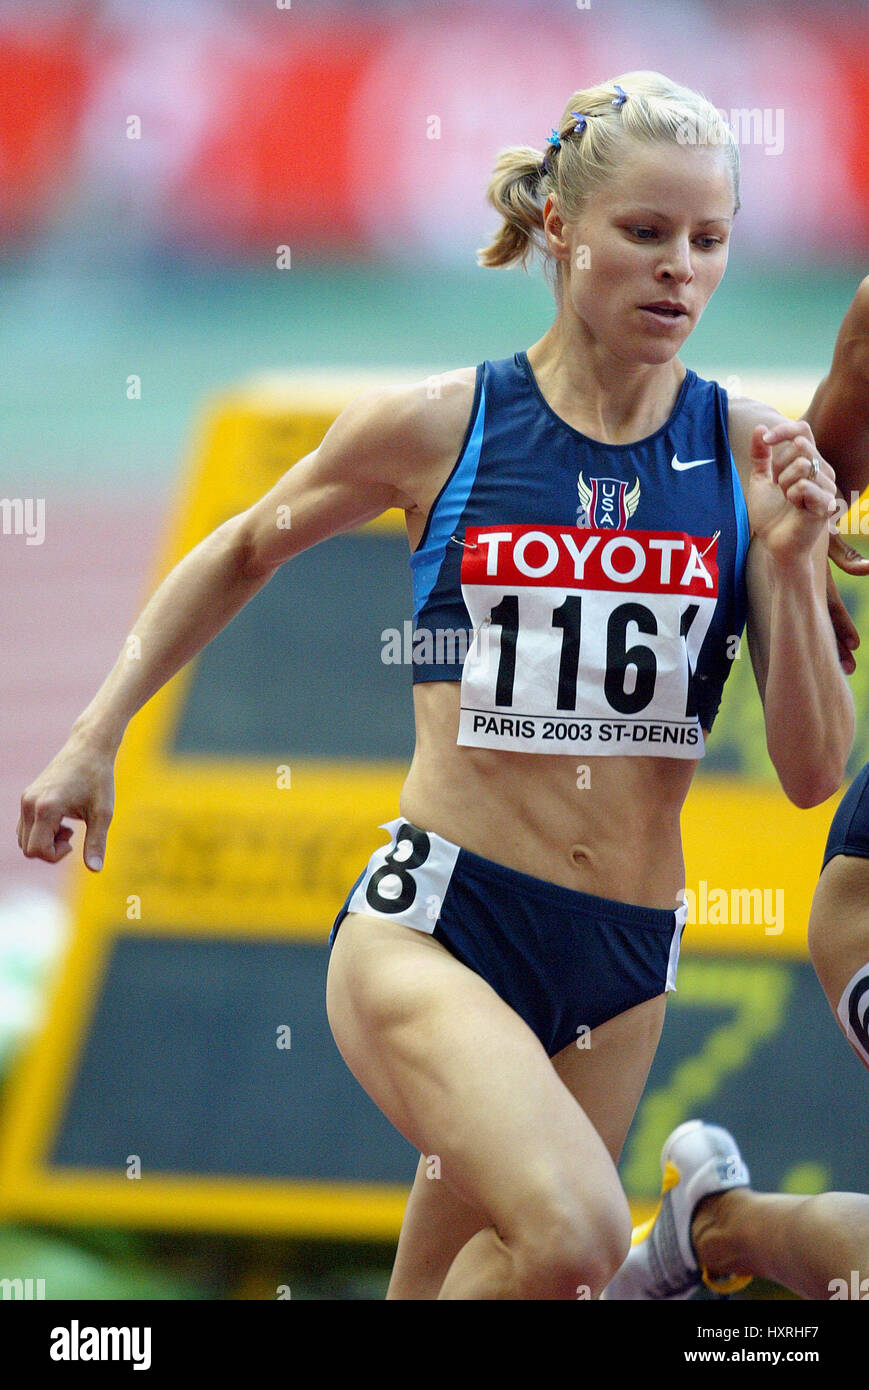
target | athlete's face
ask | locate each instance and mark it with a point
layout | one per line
(649, 249)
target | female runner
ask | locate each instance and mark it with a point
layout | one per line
(605, 522)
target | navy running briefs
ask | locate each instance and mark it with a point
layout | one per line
(849, 831)
(565, 961)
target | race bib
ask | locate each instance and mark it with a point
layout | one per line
(585, 639)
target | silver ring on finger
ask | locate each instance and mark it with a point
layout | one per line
(815, 470)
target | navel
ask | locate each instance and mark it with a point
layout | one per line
(580, 856)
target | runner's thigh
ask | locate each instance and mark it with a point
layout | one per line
(463, 1077)
(607, 1079)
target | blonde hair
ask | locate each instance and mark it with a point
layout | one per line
(656, 109)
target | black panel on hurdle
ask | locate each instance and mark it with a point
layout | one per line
(299, 670)
(181, 1067)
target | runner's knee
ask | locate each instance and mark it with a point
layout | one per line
(571, 1249)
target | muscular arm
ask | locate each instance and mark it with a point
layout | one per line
(808, 709)
(839, 412)
(384, 450)
(839, 419)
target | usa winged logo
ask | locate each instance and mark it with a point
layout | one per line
(606, 502)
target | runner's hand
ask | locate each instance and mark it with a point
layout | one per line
(78, 783)
(788, 507)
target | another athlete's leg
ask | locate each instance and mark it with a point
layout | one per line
(605, 1073)
(710, 1226)
(839, 944)
(436, 1224)
(802, 1243)
(466, 1081)
(608, 1075)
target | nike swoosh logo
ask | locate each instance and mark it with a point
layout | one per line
(690, 463)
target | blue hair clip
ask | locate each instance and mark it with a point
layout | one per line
(581, 122)
(554, 139)
(622, 95)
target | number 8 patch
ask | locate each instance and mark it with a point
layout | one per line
(585, 640)
(407, 879)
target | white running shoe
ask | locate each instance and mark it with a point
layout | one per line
(697, 1159)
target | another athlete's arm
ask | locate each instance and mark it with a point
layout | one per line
(839, 412)
(839, 419)
(808, 709)
(359, 471)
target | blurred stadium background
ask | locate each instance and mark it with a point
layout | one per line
(194, 193)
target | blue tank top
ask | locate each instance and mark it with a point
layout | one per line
(604, 563)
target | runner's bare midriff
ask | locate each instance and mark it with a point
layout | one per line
(608, 826)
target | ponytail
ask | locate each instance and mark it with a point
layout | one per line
(514, 192)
